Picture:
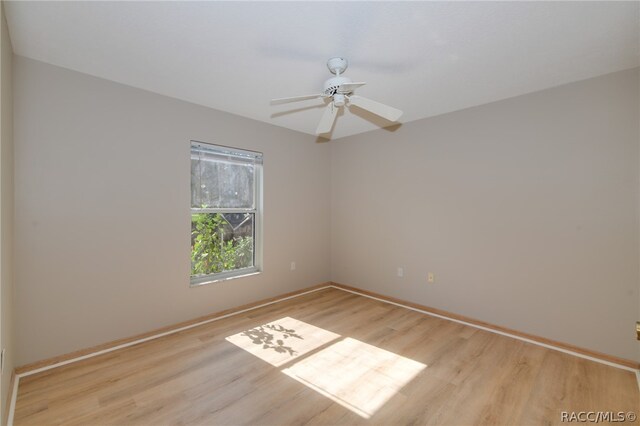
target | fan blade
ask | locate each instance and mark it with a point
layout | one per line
(384, 111)
(326, 122)
(349, 87)
(294, 99)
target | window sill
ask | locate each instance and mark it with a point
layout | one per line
(213, 280)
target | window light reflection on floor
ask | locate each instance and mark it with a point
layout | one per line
(354, 374)
(281, 341)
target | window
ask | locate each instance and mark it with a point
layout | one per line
(225, 212)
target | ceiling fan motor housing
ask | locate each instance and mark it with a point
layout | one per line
(331, 85)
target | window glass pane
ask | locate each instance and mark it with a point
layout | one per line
(221, 181)
(221, 242)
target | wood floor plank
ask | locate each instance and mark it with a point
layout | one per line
(359, 361)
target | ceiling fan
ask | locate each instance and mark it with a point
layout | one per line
(339, 91)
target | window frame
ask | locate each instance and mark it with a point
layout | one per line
(257, 268)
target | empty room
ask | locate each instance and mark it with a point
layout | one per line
(322, 213)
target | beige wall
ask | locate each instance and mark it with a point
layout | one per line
(102, 210)
(525, 209)
(6, 209)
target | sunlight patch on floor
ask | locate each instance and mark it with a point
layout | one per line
(283, 340)
(358, 376)
(354, 374)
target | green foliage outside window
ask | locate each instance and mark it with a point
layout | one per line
(216, 246)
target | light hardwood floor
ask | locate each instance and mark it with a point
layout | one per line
(328, 357)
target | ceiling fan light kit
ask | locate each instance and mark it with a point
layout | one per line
(339, 91)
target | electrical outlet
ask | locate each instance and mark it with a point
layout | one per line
(293, 266)
(430, 277)
(400, 272)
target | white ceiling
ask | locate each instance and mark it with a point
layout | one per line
(426, 58)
